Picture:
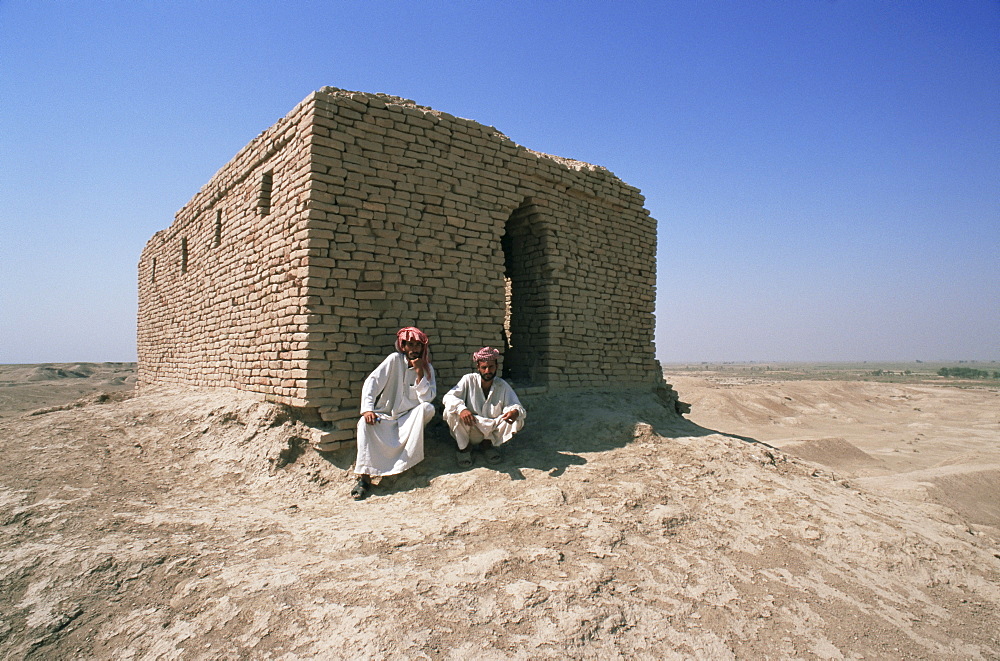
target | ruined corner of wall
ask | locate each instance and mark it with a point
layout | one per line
(670, 398)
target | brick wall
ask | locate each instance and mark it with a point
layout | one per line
(228, 313)
(386, 214)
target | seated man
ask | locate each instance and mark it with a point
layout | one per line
(482, 409)
(395, 408)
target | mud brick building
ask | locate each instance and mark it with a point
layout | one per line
(356, 214)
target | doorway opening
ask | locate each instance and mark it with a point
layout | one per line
(525, 331)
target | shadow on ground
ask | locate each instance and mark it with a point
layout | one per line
(559, 431)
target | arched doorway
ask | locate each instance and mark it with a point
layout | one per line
(525, 320)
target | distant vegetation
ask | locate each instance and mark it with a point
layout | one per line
(967, 373)
(924, 372)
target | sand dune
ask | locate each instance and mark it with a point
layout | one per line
(202, 525)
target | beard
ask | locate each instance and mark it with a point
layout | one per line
(413, 355)
(489, 376)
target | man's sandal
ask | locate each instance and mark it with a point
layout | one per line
(361, 489)
(493, 455)
(464, 458)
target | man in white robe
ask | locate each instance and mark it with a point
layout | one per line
(482, 409)
(395, 408)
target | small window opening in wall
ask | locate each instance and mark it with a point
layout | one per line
(264, 199)
(152, 272)
(218, 228)
(184, 255)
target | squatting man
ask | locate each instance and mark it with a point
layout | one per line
(395, 408)
(482, 409)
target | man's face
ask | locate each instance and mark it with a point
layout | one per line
(487, 369)
(412, 348)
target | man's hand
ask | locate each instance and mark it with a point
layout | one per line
(511, 415)
(467, 418)
(370, 417)
(419, 365)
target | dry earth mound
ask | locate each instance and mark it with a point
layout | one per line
(27, 387)
(919, 442)
(52, 373)
(836, 453)
(201, 525)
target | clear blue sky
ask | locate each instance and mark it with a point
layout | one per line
(826, 174)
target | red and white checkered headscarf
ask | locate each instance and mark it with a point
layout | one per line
(413, 334)
(486, 353)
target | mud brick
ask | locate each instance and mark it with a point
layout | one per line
(356, 214)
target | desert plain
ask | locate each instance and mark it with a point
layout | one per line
(797, 512)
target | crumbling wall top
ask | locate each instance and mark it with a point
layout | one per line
(390, 99)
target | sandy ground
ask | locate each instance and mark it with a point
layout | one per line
(923, 440)
(201, 525)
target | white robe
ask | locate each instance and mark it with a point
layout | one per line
(396, 441)
(486, 411)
